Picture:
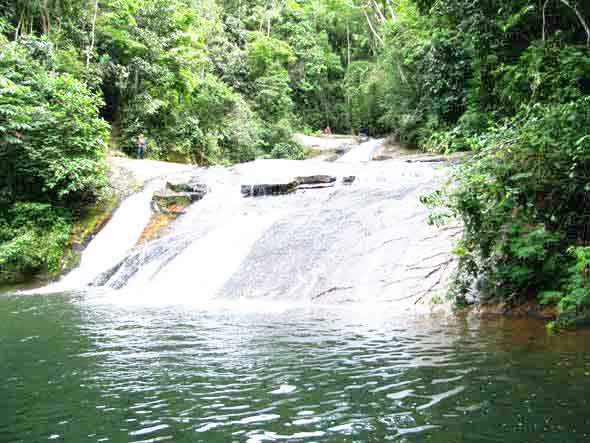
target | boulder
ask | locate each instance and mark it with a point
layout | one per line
(198, 192)
(348, 180)
(195, 189)
(315, 179)
(268, 189)
(300, 183)
(167, 201)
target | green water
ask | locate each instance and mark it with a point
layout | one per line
(76, 369)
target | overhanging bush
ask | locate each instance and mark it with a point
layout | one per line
(524, 200)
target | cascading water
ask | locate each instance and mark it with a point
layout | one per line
(112, 243)
(343, 242)
(363, 153)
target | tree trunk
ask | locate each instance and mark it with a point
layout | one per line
(18, 26)
(349, 112)
(347, 45)
(377, 37)
(581, 18)
(92, 35)
(58, 12)
(544, 18)
(391, 11)
(45, 17)
(43, 23)
(378, 12)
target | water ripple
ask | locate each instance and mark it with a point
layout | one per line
(86, 372)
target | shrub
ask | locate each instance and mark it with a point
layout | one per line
(545, 73)
(290, 150)
(522, 199)
(32, 240)
(52, 147)
(51, 138)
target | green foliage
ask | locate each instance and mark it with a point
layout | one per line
(519, 196)
(51, 155)
(199, 96)
(316, 75)
(213, 123)
(362, 89)
(577, 295)
(273, 101)
(51, 138)
(183, 71)
(573, 301)
(472, 75)
(287, 150)
(268, 61)
(545, 73)
(267, 55)
(5, 29)
(32, 239)
(429, 69)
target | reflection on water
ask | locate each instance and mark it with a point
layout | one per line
(76, 370)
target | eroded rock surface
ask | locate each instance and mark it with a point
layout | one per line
(315, 179)
(299, 183)
(177, 195)
(261, 190)
(196, 189)
(167, 201)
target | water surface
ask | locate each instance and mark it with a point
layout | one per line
(78, 369)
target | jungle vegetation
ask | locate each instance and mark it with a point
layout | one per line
(225, 81)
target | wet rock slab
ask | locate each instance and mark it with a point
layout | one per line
(195, 189)
(315, 179)
(300, 183)
(177, 195)
(261, 190)
(166, 198)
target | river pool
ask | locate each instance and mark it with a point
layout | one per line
(78, 368)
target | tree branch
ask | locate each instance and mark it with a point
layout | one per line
(581, 18)
(576, 11)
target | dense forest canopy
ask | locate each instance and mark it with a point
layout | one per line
(230, 80)
(212, 81)
(224, 81)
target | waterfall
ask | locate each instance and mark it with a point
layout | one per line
(361, 235)
(112, 243)
(363, 153)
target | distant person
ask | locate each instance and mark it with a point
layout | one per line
(141, 145)
(328, 130)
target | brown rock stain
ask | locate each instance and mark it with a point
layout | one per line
(159, 222)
